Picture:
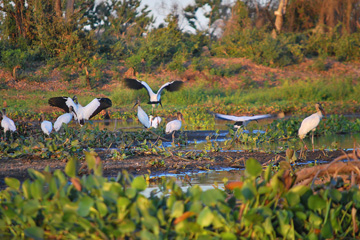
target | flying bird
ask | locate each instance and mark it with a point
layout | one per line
(155, 121)
(174, 125)
(154, 98)
(7, 123)
(46, 126)
(142, 116)
(241, 121)
(310, 123)
(64, 118)
(81, 113)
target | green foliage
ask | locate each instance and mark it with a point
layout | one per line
(12, 58)
(262, 205)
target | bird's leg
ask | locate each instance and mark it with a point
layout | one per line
(173, 137)
(312, 140)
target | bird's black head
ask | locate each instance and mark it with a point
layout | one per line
(71, 110)
(82, 122)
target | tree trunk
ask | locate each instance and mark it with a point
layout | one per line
(347, 17)
(279, 17)
(57, 8)
(69, 9)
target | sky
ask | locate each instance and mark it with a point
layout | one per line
(161, 8)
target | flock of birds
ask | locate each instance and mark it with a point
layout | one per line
(73, 109)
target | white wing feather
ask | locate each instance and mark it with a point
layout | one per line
(309, 124)
(143, 117)
(242, 118)
(8, 124)
(174, 125)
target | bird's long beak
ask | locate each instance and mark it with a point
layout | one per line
(161, 104)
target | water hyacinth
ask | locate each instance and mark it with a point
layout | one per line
(263, 205)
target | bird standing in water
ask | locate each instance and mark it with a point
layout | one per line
(310, 123)
(174, 125)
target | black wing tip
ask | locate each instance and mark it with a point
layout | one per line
(174, 86)
(105, 102)
(133, 83)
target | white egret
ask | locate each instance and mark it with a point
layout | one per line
(142, 116)
(46, 126)
(64, 119)
(241, 121)
(154, 98)
(6, 123)
(174, 125)
(310, 123)
(155, 121)
(81, 113)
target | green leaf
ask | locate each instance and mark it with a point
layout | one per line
(70, 168)
(326, 230)
(34, 232)
(85, 204)
(177, 209)
(205, 217)
(90, 159)
(228, 236)
(139, 183)
(316, 203)
(12, 182)
(253, 167)
(212, 196)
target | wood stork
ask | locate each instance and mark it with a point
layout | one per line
(7, 123)
(241, 121)
(142, 116)
(154, 98)
(81, 113)
(155, 121)
(64, 119)
(46, 126)
(310, 123)
(174, 125)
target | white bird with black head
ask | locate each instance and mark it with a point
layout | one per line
(154, 98)
(6, 123)
(310, 123)
(81, 113)
(174, 125)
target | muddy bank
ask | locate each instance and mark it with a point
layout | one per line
(156, 164)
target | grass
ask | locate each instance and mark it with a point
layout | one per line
(291, 95)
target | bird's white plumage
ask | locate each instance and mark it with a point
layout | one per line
(309, 124)
(242, 118)
(46, 127)
(88, 110)
(155, 98)
(8, 124)
(155, 121)
(81, 113)
(172, 126)
(143, 117)
(65, 118)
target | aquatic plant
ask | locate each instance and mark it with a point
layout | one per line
(263, 205)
